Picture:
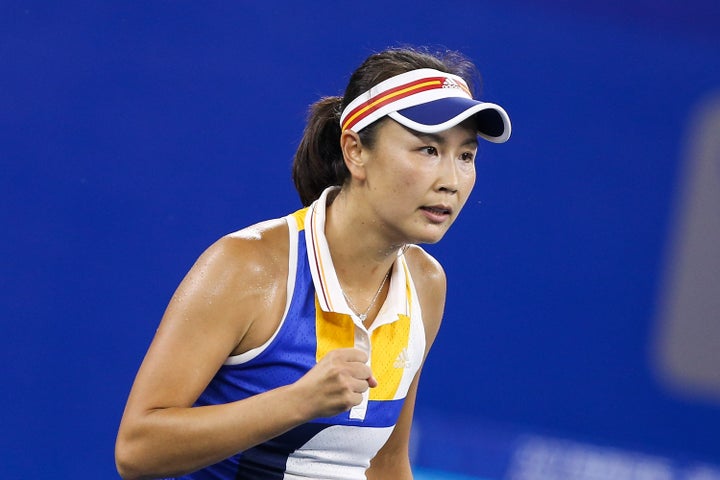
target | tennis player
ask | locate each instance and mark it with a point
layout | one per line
(292, 348)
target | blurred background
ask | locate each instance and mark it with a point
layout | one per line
(582, 331)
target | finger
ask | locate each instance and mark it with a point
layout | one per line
(359, 370)
(356, 399)
(358, 385)
(349, 355)
(363, 383)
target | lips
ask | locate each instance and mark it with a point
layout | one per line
(436, 213)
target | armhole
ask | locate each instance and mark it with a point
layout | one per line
(292, 273)
(413, 299)
(414, 306)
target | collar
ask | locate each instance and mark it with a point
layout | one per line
(327, 286)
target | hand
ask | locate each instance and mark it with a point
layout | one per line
(337, 382)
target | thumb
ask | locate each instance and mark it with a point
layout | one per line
(372, 382)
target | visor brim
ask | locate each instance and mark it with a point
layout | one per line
(493, 122)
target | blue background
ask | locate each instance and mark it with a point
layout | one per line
(132, 135)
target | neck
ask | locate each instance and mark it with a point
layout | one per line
(360, 254)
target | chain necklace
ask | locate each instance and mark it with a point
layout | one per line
(363, 316)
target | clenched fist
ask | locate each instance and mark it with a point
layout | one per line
(337, 382)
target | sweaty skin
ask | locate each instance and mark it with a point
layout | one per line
(407, 189)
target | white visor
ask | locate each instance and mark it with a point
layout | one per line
(427, 101)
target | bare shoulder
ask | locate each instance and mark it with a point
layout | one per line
(253, 256)
(431, 284)
(232, 296)
(259, 249)
(237, 281)
(424, 266)
(257, 258)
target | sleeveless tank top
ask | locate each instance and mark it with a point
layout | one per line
(317, 320)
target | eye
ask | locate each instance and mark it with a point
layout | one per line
(467, 157)
(429, 150)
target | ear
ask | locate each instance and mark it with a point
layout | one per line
(352, 150)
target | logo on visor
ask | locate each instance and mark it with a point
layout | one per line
(450, 83)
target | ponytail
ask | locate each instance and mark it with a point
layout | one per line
(318, 161)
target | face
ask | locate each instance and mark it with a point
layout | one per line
(416, 183)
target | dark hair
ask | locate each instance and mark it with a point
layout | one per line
(318, 161)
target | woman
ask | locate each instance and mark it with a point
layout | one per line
(292, 348)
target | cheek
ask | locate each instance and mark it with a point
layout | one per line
(468, 182)
(468, 179)
(472, 182)
(409, 178)
(400, 179)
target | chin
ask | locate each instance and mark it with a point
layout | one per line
(429, 239)
(426, 233)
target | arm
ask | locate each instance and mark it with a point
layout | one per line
(393, 460)
(228, 303)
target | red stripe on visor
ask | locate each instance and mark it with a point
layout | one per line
(402, 91)
(372, 105)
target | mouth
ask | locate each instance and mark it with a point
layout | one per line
(437, 213)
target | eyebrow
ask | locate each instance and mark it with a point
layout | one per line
(434, 137)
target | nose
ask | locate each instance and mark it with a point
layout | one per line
(448, 178)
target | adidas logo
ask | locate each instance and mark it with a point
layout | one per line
(450, 83)
(402, 360)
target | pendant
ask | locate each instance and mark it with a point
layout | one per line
(362, 317)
